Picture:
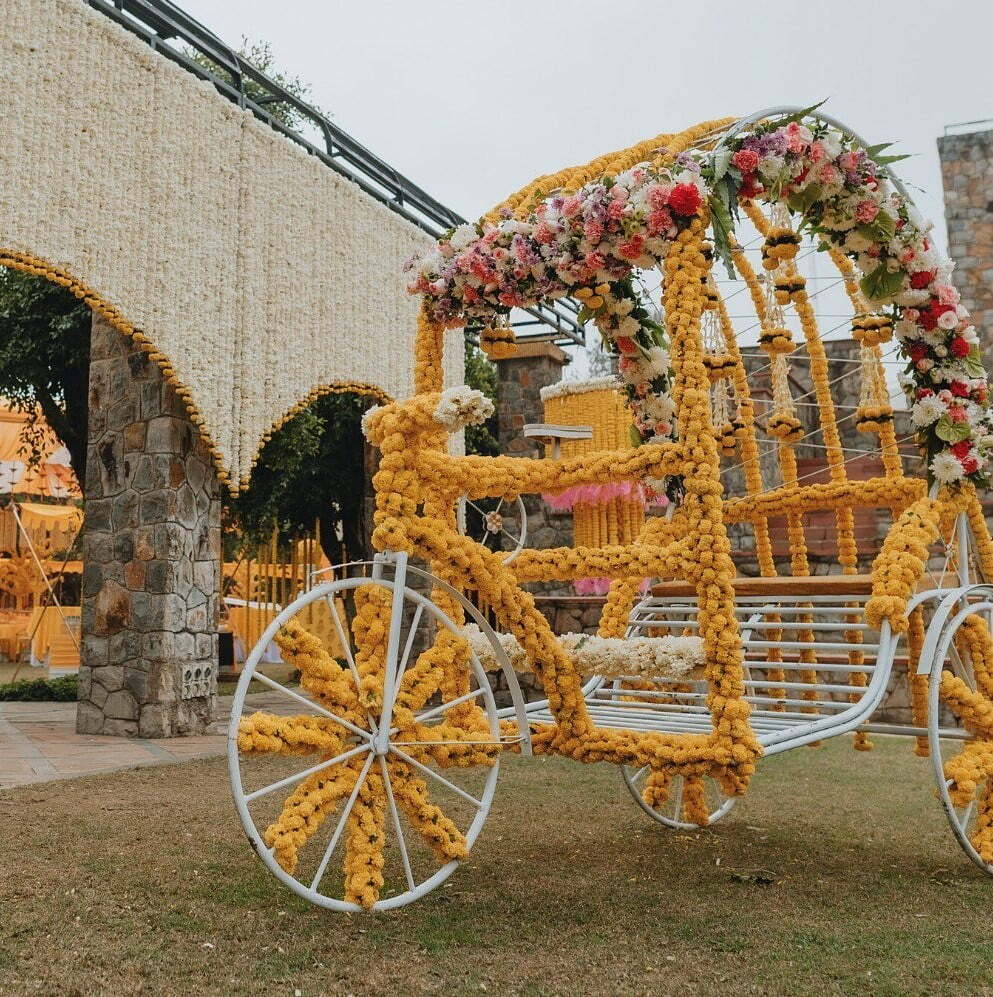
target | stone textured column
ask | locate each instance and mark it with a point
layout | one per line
(967, 176)
(521, 379)
(151, 551)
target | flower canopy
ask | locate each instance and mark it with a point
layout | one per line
(590, 243)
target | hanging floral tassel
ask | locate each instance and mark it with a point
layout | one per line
(784, 423)
(874, 409)
(721, 417)
(498, 342)
(716, 359)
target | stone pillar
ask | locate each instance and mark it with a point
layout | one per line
(151, 549)
(967, 176)
(521, 379)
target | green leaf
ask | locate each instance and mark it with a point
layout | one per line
(974, 363)
(952, 432)
(798, 116)
(635, 435)
(721, 161)
(881, 283)
(723, 226)
(801, 201)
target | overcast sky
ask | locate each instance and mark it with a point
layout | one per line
(473, 99)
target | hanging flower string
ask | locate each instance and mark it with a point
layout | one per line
(588, 243)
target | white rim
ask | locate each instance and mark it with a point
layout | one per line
(960, 820)
(633, 777)
(362, 744)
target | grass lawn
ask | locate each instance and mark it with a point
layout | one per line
(143, 881)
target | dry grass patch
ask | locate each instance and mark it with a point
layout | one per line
(143, 882)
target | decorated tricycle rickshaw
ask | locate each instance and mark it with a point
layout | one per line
(388, 752)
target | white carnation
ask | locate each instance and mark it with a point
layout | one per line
(367, 419)
(463, 236)
(946, 468)
(462, 406)
(927, 411)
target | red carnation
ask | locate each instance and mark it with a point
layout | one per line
(918, 351)
(684, 199)
(921, 279)
(746, 160)
(750, 187)
(960, 347)
(961, 449)
(924, 392)
(970, 465)
(931, 314)
(960, 389)
(980, 393)
(626, 344)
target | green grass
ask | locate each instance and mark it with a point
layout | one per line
(144, 881)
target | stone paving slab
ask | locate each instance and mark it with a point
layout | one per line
(39, 743)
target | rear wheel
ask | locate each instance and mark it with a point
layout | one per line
(963, 768)
(673, 802)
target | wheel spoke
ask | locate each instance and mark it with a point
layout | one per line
(342, 821)
(346, 646)
(434, 775)
(347, 724)
(401, 843)
(640, 773)
(967, 816)
(434, 711)
(290, 779)
(411, 634)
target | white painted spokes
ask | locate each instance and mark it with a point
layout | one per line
(672, 812)
(495, 523)
(362, 788)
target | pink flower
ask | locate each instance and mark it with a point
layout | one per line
(544, 233)
(593, 231)
(615, 210)
(957, 413)
(594, 261)
(632, 248)
(797, 137)
(626, 344)
(848, 161)
(947, 294)
(659, 222)
(828, 174)
(907, 256)
(746, 160)
(619, 192)
(625, 364)
(571, 206)
(866, 211)
(816, 152)
(658, 195)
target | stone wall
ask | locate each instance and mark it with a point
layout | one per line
(521, 379)
(151, 548)
(967, 176)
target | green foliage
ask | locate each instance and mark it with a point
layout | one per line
(312, 468)
(45, 359)
(259, 54)
(60, 690)
(481, 374)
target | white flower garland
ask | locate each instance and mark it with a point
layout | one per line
(610, 657)
(259, 272)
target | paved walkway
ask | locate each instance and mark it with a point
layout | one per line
(39, 743)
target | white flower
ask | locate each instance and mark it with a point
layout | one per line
(367, 419)
(628, 327)
(948, 320)
(463, 236)
(462, 406)
(927, 411)
(946, 467)
(658, 362)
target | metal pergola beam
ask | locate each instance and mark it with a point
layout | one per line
(166, 29)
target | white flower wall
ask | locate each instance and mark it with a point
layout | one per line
(259, 272)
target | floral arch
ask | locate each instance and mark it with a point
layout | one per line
(588, 230)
